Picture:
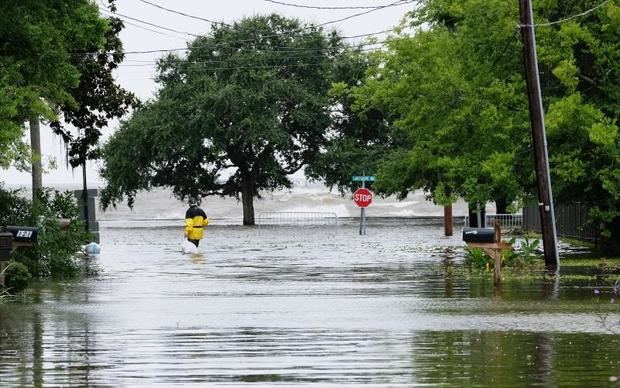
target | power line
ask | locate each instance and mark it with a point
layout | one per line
(322, 7)
(394, 4)
(211, 65)
(373, 9)
(183, 13)
(570, 17)
(151, 30)
(293, 50)
(155, 51)
(148, 23)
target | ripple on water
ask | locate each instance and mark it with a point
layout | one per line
(327, 308)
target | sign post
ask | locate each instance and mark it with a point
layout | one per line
(363, 198)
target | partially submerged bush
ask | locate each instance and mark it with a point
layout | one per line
(475, 258)
(525, 256)
(54, 255)
(17, 276)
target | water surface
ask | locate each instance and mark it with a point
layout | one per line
(305, 306)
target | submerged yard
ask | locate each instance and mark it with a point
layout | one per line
(314, 306)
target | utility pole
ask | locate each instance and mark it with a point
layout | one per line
(537, 120)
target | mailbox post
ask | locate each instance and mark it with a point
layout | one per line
(490, 240)
(11, 238)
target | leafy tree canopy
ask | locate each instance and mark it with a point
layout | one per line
(245, 108)
(38, 42)
(97, 96)
(456, 86)
(451, 87)
(359, 136)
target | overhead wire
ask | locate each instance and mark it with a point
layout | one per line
(153, 63)
(183, 13)
(394, 4)
(153, 51)
(373, 9)
(286, 49)
(152, 30)
(584, 13)
(122, 16)
(324, 7)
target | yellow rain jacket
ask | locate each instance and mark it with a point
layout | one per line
(195, 219)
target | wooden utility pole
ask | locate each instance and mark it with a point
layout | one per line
(545, 197)
(35, 150)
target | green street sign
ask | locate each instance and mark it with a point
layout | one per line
(362, 178)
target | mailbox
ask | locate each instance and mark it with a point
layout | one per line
(479, 235)
(23, 234)
(6, 245)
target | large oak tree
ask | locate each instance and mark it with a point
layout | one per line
(244, 109)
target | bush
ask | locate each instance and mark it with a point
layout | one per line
(14, 210)
(17, 276)
(525, 256)
(475, 258)
(54, 254)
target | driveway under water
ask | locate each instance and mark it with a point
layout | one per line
(321, 307)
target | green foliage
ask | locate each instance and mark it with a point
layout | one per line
(14, 208)
(17, 276)
(464, 111)
(360, 136)
(475, 258)
(244, 109)
(455, 86)
(54, 255)
(98, 98)
(525, 256)
(37, 63)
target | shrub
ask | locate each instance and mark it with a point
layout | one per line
(54, 253)
(525, 255)
(476, 258)
(17, 276)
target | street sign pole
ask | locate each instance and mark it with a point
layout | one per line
(363, 215)
(366, 199)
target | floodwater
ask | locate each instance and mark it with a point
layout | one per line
(303, 306)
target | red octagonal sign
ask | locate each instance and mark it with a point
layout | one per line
(362, 197)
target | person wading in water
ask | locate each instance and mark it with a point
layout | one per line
(195, 219)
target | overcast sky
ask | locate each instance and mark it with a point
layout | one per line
(136, 73)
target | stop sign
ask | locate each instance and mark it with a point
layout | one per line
(362, 197)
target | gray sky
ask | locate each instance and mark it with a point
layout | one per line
(136, 73)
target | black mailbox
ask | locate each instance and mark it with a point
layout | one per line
(24, 234)
(6, 245)
(479, 235)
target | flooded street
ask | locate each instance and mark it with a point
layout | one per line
(302, 306)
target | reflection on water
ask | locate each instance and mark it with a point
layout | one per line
(290, 306)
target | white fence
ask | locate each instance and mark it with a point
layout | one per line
(297, 219)
(508, 222)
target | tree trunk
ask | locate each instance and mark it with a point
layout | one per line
(35, 146)
(473, 216)
(501, 205)
(247, 198)
(447, 220)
